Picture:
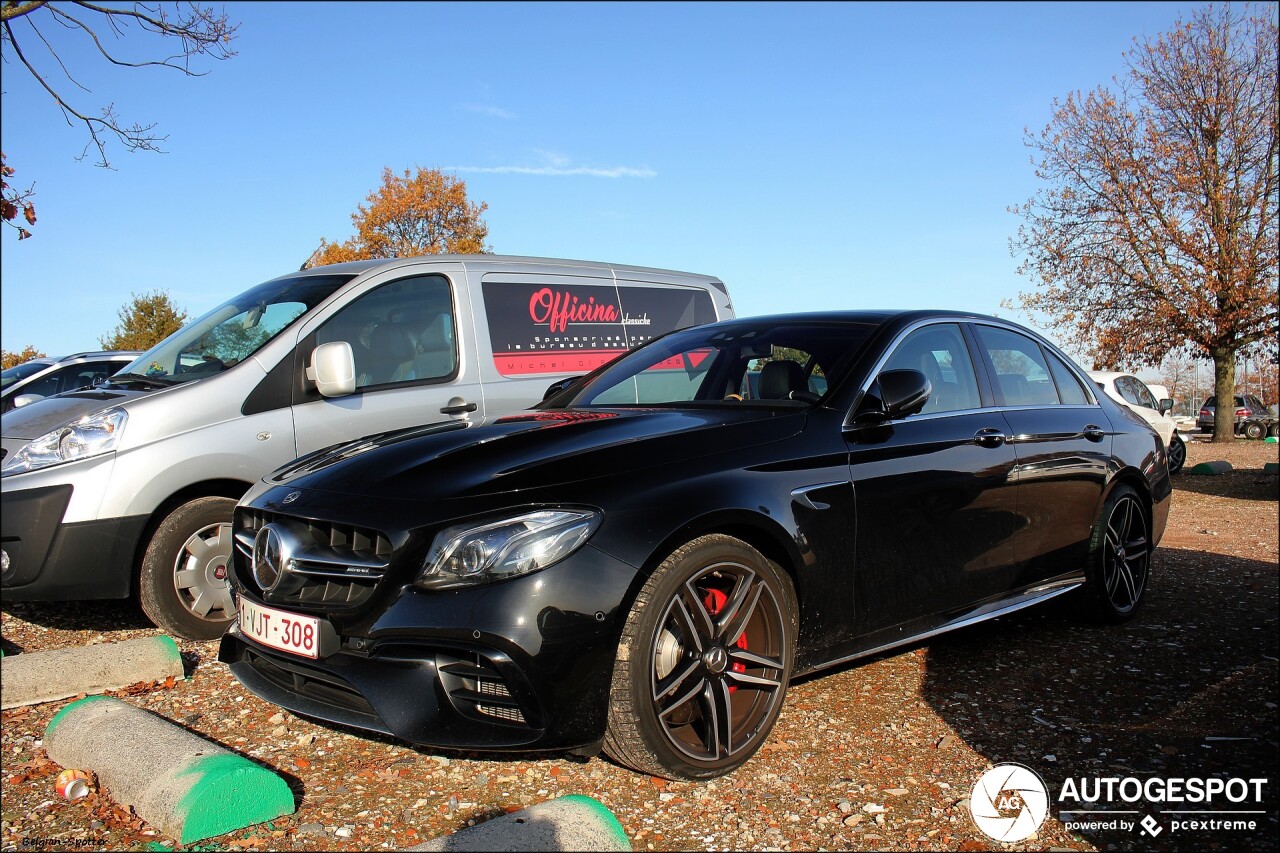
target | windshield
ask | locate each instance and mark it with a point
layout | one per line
(21, 371)
(789, 365)
(231, 332)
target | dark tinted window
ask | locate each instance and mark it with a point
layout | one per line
(940, 353)
(1069, 388)
(1022, 374)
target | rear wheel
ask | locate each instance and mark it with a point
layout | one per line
(184, 586)
(1255, 430)
(703, 662)
(1119, 557)
(1177, 454)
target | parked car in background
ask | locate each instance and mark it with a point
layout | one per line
(130, 486)
(1131, 391)
(645, 561)
(44, 377)
(1252, 418)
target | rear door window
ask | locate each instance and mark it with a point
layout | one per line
(1022, 374)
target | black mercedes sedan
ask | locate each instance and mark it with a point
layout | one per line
(643, 562)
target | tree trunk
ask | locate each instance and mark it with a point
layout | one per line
(1224, 386)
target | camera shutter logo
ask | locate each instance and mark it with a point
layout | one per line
(1009, 802)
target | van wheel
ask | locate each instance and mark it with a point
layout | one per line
(184, 586)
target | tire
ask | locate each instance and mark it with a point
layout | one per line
(1255, 430)
(1177, 454)
(703, 662)
(183, 583)
(1273, 431)
(1119, 558)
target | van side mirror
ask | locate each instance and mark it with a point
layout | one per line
(1166, 406)
(25, 399)
(895, 394)
(333, 369)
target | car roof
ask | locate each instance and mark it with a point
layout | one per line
(870, 316)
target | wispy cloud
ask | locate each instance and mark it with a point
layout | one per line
(491, 112)
(613, 172)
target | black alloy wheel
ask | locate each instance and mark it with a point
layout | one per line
(1121, 557)
(703, 663)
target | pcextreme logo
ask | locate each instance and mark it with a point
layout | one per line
(1009, 802)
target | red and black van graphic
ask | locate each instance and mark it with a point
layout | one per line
(575, 328)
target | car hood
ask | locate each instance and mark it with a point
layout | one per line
(42, 416)
(538, 450)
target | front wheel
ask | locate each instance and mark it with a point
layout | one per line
(1119, 557)
(703, 662)
(184, 586)
(1177, 454)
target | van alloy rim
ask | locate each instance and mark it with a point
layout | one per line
(200, 574)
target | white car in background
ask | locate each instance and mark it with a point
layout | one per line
(1130, 391)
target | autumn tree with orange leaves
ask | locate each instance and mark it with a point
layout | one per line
(423, 214)
(1157, 225)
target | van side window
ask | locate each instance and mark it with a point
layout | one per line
(401, 332)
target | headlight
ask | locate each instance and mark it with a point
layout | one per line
(471, 554)
(92, 435)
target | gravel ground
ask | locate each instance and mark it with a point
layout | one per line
(877, 755)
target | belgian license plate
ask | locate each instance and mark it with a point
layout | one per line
(279, 629)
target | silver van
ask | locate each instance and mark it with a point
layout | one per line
(130, 486)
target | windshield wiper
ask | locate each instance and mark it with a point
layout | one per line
(139, 379)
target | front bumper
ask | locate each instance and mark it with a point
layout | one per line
(522, 664)
(50, 560)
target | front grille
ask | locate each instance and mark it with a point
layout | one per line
(335, 566)
(477, 689)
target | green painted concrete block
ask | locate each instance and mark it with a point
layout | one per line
(1211, 468)
(186, 786)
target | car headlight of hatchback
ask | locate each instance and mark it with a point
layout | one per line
(484, 552)
(92, 435)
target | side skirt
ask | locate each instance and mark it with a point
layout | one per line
(1001, 607)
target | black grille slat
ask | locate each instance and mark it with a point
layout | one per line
(338, 565)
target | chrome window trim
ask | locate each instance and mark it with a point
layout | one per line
(1085, 381)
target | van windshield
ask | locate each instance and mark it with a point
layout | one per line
(230, 333)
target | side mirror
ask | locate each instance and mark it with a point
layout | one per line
(25, 399)
(900, 393)
(333, 369)
(1166, 406)
(556, 387)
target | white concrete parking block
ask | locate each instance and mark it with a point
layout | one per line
(34, 677)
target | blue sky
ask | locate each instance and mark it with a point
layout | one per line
(813, 156)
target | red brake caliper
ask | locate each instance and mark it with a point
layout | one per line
(714, 602)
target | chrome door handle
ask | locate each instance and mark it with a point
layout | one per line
(1093, 432)
(989, 437)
